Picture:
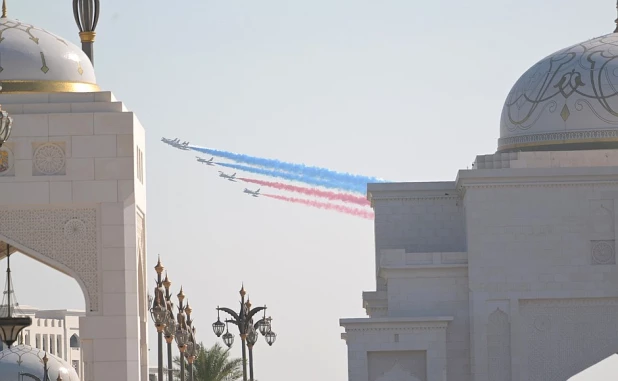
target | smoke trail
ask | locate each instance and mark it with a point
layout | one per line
(325, 205)
(334, 196)
(356, 188)
(321, 173)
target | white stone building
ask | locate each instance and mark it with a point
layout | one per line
(73, 180)
(55, 332)
(508, 272)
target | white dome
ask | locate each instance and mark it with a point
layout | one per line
(32, 59)
(567, 101)
(22, 359)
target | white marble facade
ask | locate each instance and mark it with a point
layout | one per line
(502, 275)
(509, 272)
(72, 181)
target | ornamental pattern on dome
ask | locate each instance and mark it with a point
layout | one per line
(24, 360)
(570, 93)
(583, 76)
(6, 24)
(29, 53)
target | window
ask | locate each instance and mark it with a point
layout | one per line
(74, 341)
(140, 164)
(27, 337)
(53, 322)
(59, 345)
(45, 342)
(52, 344)
(37, 339)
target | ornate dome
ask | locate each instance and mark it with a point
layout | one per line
(25, 360)
(567, 101)
(35, 60)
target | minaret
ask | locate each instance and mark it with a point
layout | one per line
(86, 14)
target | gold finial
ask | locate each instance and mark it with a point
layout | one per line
(3, 8)
(242, 290)
(45, 359)
(248, 303)
(166, 282)
(181, 295)
(59, 377)
(188, 309)
(159, 267)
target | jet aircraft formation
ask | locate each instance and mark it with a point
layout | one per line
(351, 201)
(185, 146)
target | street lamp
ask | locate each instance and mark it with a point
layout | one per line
(182, 333)
(248, 330)
(6, 123)
(170, 327)
(158, 313)
(11, 326)
(191, 351)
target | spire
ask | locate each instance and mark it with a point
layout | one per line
(616, 30)
(4, 9)
(86, 13)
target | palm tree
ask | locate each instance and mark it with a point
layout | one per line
(215, 364)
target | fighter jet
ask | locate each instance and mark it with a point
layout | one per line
(208, 162)
(176, 143)
(252, 193)
(228, 177)
(172, 142)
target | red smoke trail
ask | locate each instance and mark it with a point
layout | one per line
(325, 205)
(335, 196)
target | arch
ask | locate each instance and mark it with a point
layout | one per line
(499, 346)
(74, 341)
(18, 247)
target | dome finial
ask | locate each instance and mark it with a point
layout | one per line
(86, 13)
(3, 8)
(616, 30)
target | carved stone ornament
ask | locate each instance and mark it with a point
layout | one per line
(6, 160)
(582, 333)
(49, 159)
(66, 236)
(397, 373)
(603, 253)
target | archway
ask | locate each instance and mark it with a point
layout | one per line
(54, 300)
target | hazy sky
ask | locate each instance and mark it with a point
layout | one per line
(398, 89)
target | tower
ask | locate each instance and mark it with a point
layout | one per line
(73, 187)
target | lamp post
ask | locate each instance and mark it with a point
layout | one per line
(11, 326)
(182, 333)
(159, 314)
(6, 123)
(191, 351)
(170, 327)
(248, 330)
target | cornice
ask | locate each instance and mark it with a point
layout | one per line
(537, 177)
(399, 324)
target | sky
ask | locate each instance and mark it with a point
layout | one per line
(398, 89)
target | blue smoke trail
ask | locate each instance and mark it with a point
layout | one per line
(301, 169)
(355, 188)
